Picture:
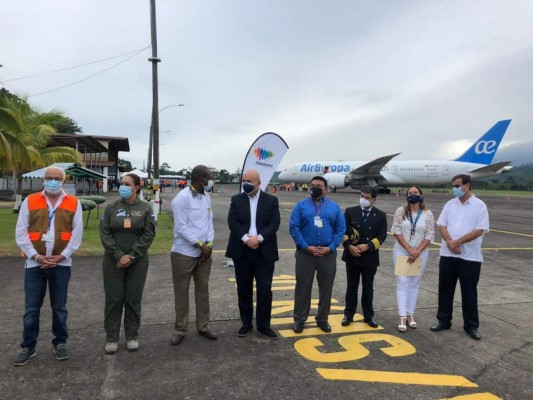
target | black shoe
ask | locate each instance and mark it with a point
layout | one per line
(209, 335)
(177, 339)
(439, 326)
(371, 323)
(298, 327)
(268, 333)
(474, 334)
(61, 352)
(244, 331)
(324, 326)
(24, 356)
(346, 321)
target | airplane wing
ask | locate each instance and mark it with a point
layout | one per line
(373, 167)
(491, 168)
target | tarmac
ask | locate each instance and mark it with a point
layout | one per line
(355, 362)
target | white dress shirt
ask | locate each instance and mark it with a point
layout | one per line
(193, 221)
(253, 213)
(25, 244)
(460, 219)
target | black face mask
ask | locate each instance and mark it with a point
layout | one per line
(248, 187)
(414, 198)
(316, 192)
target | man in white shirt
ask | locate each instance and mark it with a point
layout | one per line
(49, 230)
(191, 252)
(462, 224)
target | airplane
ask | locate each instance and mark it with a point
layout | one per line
(381, 172)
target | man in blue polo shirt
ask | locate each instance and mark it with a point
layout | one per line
(317, 226)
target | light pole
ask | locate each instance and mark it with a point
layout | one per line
(151, 142)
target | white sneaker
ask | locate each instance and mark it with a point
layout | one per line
(133, 345)
(111, 347)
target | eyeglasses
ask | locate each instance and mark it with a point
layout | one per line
(53, 179)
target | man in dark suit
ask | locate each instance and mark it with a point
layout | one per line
(253, 221)
(366, 230)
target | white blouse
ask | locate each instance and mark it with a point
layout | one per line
(424, 228)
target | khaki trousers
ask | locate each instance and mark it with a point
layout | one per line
(183, 267)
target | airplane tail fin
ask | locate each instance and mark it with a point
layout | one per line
(483, 151)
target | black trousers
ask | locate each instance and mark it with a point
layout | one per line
(451, 269)
(353, 275)
(246, 269)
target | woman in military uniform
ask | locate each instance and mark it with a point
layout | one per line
(126, 231)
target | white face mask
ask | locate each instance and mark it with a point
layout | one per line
(209, 185)
(364, 202)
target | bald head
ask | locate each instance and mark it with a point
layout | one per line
(251, 175)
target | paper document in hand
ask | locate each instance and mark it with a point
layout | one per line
(403, 268)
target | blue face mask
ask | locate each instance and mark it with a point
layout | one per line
(414, 198)
(52, 186)
(248, 187)
(125, 192)
(458, 192)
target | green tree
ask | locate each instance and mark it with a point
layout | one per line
(224, 176)
(28, 132)
(124, 165)
(165, 169)
(67, 125)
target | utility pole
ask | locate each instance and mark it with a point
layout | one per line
(153, 146)
(154, 126)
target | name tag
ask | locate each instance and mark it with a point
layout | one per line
(127, 223)
(318, 222)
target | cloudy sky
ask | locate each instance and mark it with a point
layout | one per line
(338, 80)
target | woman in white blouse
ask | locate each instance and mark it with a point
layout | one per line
(413, 228)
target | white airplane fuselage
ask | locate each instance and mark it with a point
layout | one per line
(384, 171)
(420, 172)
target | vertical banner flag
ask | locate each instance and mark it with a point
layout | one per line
(264, 155)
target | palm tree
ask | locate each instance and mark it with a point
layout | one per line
(24, 137)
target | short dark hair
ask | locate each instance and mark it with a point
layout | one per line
(369, 189)
(198, 172)
(464, 178)
(320, 178)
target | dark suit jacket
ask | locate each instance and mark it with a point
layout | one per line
(373, 233)
(267, 222)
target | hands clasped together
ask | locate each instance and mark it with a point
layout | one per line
(125, 261)
(318, 251)
(454, 246)
(357, 250)
(206, 253)
(49, 261)
(252, 242)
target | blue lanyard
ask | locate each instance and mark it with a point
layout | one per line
(317, 208)
(413, 224)
(51, 217)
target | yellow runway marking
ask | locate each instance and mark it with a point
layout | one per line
(406, 378)
(512, 233)
(475, 396)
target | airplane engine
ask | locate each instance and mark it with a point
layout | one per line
(337, 180)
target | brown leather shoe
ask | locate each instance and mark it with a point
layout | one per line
(209, 334)
(177, 339)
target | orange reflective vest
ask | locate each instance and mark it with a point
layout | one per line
(40, 221)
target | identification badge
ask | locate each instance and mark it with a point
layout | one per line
(412, 243)
(127, 223)
(318, 222)
(47, 238)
